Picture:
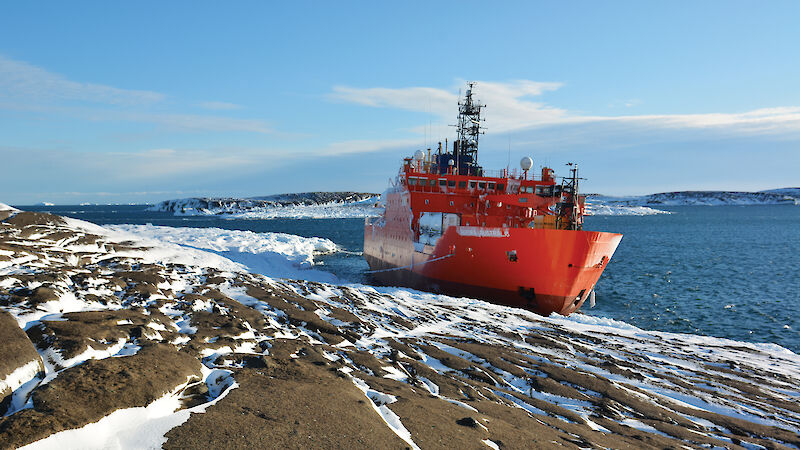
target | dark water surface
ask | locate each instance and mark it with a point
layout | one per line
(726, 271)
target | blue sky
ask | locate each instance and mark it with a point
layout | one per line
(144, 101)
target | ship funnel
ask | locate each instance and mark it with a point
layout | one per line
(526, 163)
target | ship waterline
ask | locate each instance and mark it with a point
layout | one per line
(542, 270)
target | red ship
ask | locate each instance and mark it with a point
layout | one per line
(509, 238)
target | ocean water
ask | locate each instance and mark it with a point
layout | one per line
(725, 271)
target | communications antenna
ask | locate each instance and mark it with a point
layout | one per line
(465, 148)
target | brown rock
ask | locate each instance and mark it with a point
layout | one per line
(96, 388)
(292, 403)
(16, 350)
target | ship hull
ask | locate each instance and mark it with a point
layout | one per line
(542, 270)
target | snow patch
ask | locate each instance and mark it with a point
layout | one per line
(274, 254)
(20, 375)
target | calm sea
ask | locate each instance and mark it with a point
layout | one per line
(726, 271)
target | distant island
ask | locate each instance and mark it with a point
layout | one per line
(322, 205)
(704, 198)
(315, 205)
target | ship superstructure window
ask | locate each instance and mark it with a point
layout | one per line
(431, 182)
(442, 182)
(491, 185)
(482, 185)
(472, 184)
(544, 191)
(412, 181)
(500, 186)
(462, 184)
(528, 189)
(451, 183)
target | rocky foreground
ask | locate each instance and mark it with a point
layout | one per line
(105, 342)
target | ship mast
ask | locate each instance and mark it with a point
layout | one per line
(569, 207)
(465, 148)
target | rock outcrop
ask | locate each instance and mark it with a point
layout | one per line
(254, 362)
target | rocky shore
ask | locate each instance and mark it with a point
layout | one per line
(105, 341)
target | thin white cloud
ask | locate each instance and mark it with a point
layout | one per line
(25, 87)
(191, 122)
(364, 146)
(20, 80)
(219, 106)
(435, 101)
(511, 108)
(509, 103)
(116, 168)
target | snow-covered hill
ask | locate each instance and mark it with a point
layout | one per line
(607, 205)
(790, 191)
(136, 338)
(313, 205)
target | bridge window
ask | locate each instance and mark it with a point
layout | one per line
(442, 182)
(431, 182)
(412, 181)
(482, 185)
(472, 184)
(491, 185)
(462, 184)
(500, 186)
(451, 183)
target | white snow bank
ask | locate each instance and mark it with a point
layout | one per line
(379, 400)
(273, 254)
(139, 428)
(598, 209)
(4, 207)
(20, 375)
(355, 210)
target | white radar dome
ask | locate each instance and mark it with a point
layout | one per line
(526, 163)
(418, 155)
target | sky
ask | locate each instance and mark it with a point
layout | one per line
(138, 102)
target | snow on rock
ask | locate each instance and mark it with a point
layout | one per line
(274, 254)
(308, 205)
(790, 196)
(19, 361)
(323, 365)
(599, 209)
